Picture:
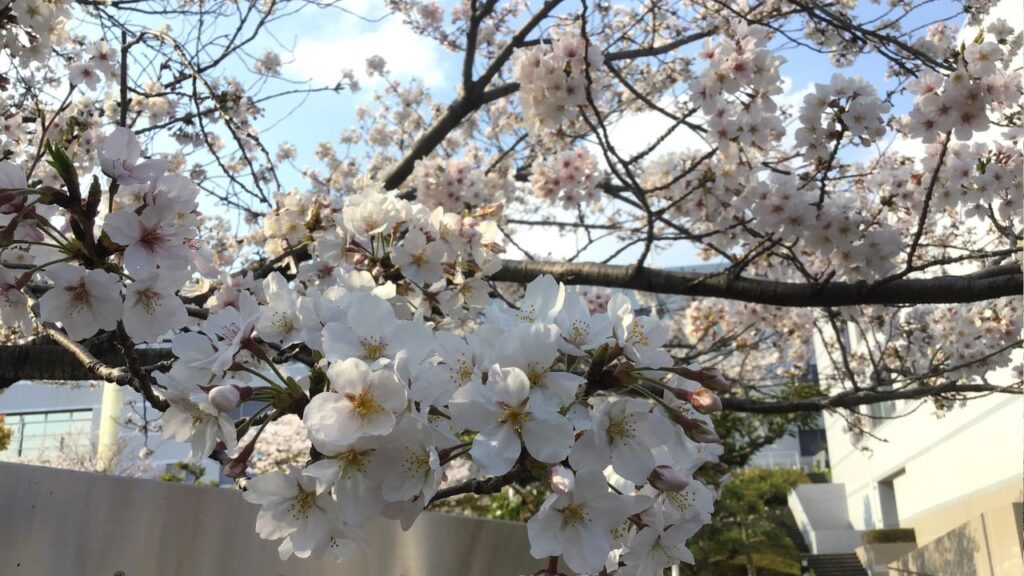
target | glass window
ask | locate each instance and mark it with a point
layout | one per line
(42, 431)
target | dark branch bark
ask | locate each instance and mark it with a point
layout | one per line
(852, 399)
(52, 362)
(938, 290)
(487, 486)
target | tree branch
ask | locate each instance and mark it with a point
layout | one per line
(853, 399)
(937, 290)
(487, 486)
(50, 362)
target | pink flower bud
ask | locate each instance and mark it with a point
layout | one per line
(667, 479)
(377, 272)
(562, 479)
(359, 259)
(225, 398)
(712, 378)
(236, 468)
(698, 430)
(708, 377)
(705, 401)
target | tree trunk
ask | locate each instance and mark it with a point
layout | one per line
(751, 568)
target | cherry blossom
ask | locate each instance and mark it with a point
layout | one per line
(151, 239)
(506, 417)
(577, 526)
(151, 308)
(363, 403)
(119, 158)
(83, 301)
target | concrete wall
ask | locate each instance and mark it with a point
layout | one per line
(821, 515)
(989, 545)
(941, 465)
(63, 523)
(876, 557)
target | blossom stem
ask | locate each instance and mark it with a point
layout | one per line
(44, 265)
(262, 376)
(652, 396)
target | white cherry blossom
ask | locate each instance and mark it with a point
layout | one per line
(119, 159)
(83, 301)
(151, 307)
(363, 402)
(578, 525)
(506, 418)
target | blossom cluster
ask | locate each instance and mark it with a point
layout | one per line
(569, 178)
(554, 80)
(35, 28)
(735, 90)
(848, 106)
(962, 101)
(399, 397)
(457, 183)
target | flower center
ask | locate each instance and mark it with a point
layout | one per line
(79, 294)
(364, 404)
(573, 515)
(152, 238)
(303, 504)
(513, 416)
(527, 313)
(579, 332)
(462, 374)
(373, 347)
(416, 463)
(535, 374)
(681, 500)
(283, 323)
(353, 461)
(147, 299)
(621, 428)
(637, 337)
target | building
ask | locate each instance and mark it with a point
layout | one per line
(61, 424)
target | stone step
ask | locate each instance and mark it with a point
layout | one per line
(835, 565)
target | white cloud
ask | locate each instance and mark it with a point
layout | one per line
(636, 132)
(352, 41)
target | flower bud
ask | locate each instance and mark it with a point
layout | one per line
(712, 378)
(377, 271)
(562, 479)
(705, 401)
(698, 430)
(359, 259)
(708, 377)
(225, 398)
(236, 468)
(667, 479)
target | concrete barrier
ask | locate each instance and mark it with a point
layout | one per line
(989, 545)
(63, 523)
(823, 519)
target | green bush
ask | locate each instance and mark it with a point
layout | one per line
(888, 536)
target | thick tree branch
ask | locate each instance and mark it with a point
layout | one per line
(938, 290)
(52, 362)
(852, 399)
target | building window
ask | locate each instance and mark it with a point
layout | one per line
(40, 432)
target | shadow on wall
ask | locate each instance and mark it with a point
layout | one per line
(954, 554)
(869, 519)
(988, 545)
